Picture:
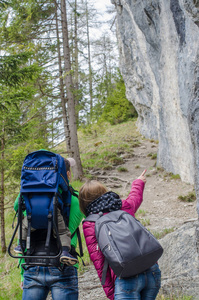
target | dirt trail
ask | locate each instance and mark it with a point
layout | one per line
(161, 206)
(161, 203)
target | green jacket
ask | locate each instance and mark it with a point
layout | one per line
(75, 219)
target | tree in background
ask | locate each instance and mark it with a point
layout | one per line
(61, 83)
(17, 77)
(117, 108)
(72, 121)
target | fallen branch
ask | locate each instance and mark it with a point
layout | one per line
(125, 186)
(191, 220)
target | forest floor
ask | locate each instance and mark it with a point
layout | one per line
(161, 210)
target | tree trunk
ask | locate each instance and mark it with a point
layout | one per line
(63, 99)
(76, 68)
(89, 65)
(78, 172)
(3, 240)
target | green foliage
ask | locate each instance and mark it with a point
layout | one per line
(117, 108)
(103, 158)
(102, 147)
(152, 155)
(190, 197)
(19, 132)
(10, 280)
(10, 274)
(122, 169)
(11, 72)
(17, 93)
(76, 184)
(140, 213)
(171, 175)
(28, 19)
(174, 176)
(161, 234)
(144, 222)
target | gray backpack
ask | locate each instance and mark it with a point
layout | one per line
(129, 248)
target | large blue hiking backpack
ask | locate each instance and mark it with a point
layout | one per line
(44, 189)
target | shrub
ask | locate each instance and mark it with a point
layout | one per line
(190, 197)
(117, 108)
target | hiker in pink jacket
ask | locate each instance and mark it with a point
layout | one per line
(94, 197)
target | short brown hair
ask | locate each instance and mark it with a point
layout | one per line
(67, 164)
(90, 191)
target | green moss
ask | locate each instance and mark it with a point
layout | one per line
(152, 155)
(122, 169)
(162, 233)
(190, 197)
(174, 176)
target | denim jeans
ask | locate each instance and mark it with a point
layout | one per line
(144, 286)
(38, 281)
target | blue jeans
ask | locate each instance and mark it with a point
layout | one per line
(144, 286)
(38, 281)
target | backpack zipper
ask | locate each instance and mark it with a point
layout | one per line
(64, 180)
(40, 168)
(109, 246)
(108, 222)
(45, 168)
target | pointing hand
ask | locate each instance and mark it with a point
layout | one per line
(142, 177)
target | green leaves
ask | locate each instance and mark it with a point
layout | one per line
(3, 3)
(18, 128)
(117, 108)
(13, 69)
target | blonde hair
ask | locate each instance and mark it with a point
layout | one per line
(90, 191)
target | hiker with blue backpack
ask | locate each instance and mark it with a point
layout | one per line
(64, 232)
(45, 192)
(109, 221)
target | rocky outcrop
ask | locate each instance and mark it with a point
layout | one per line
(193, 120)
(159, 50)
(179, 263)
(159, 60)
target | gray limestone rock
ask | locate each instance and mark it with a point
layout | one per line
(179, 263)
(159, 60)
(193, 120)
(159, 46)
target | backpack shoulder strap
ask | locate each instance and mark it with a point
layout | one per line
(92, 218)
(77, 231)
(73, 191)
(80, 243)
(104, 271)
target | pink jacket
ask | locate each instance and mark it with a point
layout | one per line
(130, 205)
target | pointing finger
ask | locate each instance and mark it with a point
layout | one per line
(143, 172)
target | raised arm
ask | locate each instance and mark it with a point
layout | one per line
(135, 197)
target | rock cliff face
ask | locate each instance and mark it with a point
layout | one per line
(179, 263)
(159, 61)
(159, 55)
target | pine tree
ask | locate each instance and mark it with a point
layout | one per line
(16, 78)
(78, 171)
